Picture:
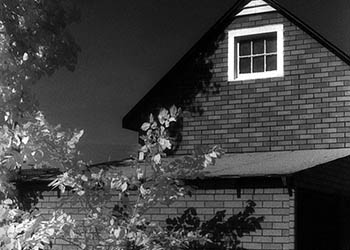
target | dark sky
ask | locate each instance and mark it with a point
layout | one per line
(127, 46)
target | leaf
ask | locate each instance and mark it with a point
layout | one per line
(81, 192)
(157, 159)
(173, 111)
(25, 139)
(151, 118)
(50, 231)
(124, 187)
(84, 178)
(164, 143)
(8, 202)
(25, 56)
(117, 232)
(145, 126)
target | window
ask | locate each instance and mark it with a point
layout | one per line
(255, 53)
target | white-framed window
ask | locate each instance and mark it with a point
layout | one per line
(255, 53)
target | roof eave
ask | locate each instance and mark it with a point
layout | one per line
(129, 121)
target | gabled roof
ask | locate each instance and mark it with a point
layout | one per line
(132, 120)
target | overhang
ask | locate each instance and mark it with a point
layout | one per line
(272, 163)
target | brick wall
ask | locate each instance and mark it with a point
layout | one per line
(274, 204)
(308, 108)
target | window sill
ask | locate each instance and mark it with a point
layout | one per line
(255, 76)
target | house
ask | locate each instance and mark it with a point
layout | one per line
(275, 95)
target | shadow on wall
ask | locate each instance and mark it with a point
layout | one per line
(189, 78)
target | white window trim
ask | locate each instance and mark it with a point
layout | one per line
(234, 34)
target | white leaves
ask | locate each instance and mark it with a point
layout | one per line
(50, 231)
(111, 222)
(25, 56)
(6, 116)
(75, 139)
(81, 192)
(124, 187)
(164, 143)
(163, 116)
(11, 231)
(151, 118)
(97, 176)
(157, 159)
(119, 184)
(84, 178)
(173, 111)
(117, 232)
(139, 173)
(209, 158)
(213, 154)
(145, 126)
(40, 52)
(8, 202)
(144, 191)
(141, 156)
(25, 139)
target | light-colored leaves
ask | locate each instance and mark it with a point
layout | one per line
(154, 181)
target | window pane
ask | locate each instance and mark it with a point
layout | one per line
(244, 65)
(271, 44)
(271, 62)
(258, 64)
(258, 46)
(244, 48)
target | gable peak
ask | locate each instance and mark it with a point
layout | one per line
(255, 7)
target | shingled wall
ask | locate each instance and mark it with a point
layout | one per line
(308, 108)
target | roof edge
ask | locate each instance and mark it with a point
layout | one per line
(127, 121)
(313, 33)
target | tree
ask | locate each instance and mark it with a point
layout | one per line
(34, 42)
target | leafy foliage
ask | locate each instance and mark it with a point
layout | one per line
(36, 41)
(216, 233)
(151, 182)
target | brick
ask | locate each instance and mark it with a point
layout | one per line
(273, 232)
(206, 197)
(262, 239)
(195, 204)
(273, 218)
(233, 204)
(252, 245)
(280, 211)
(272, 204)
(223, 197)
(214, 204)
(281, 239)
(271, 246)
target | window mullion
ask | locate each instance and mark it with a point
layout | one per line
(265, 66)
(251, 58)
(238, 57)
